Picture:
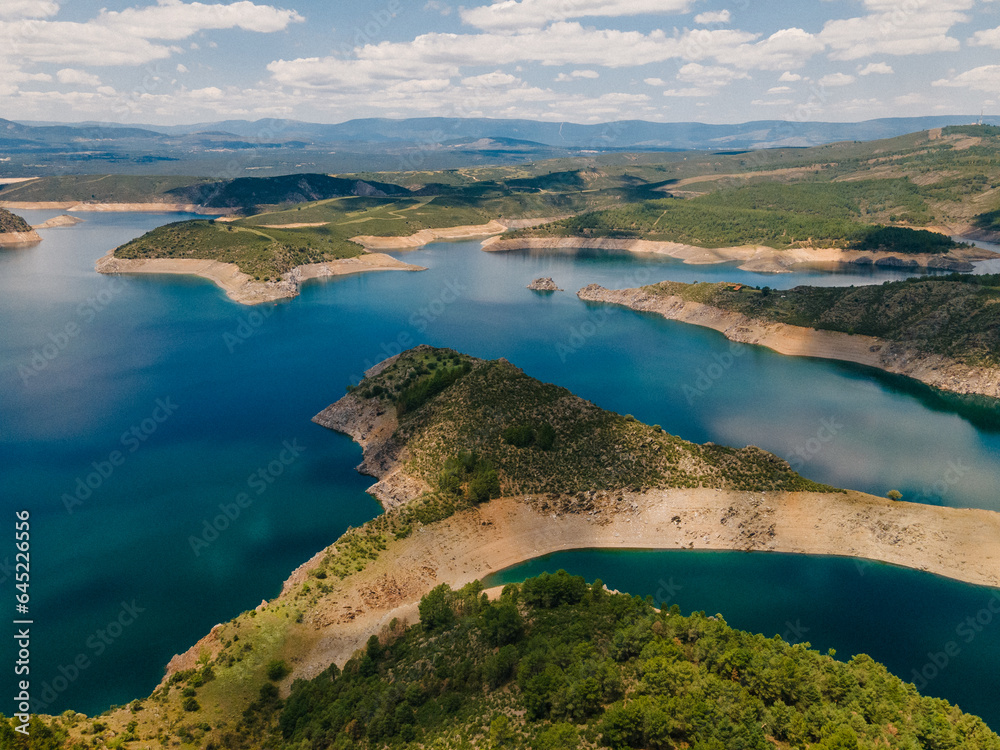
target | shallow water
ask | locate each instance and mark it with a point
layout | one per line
(240, 382)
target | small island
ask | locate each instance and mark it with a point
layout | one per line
(942, 331)
(544, 284)
(16, 231)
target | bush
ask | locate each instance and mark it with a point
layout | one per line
(191, 704)
(277, 670)
(520, 437)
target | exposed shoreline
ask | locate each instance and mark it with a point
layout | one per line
(14, 239)
(894, 357)
(241, 287)
(755, 258)
(466, 232)
(79, 206)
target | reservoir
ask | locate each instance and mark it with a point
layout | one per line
(137, 411)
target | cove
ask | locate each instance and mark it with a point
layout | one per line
(909, 621)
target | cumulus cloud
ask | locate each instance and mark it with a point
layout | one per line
(879, 68)
(77, 78)
(133, 36)
(789, 77)
(984, 78)
(576, 75)
(779, 90)
(710, 17)
(514, 15)
(986, 38)
(896, 27)
(837, 79)
(28, 8)
(709, 75)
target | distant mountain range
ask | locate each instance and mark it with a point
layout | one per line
(285, 146)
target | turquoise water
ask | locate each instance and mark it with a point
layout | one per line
(918, 625)
(240, 382)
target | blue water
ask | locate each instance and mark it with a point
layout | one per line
(239, 382)
(916, 624)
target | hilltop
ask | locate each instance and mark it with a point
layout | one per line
(482, 467)
(16, 231)
(942, 331)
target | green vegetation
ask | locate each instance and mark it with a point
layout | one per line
(541, 438)
(262, 253)
(99, 189)
(555, 663)
(772, 214)
(12, 223)
(955, 315)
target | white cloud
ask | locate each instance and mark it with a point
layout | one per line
(879, 68)
(654, 82)
(576, 75)
(896, 27)
(779, 90)
(772, 102)
(28, 8)
(709, 75)
(182, 68)
(440, 7)
(710, 17)
(496, 78)
(837, 79)
(124, 37)
(692, 91)
(788, 77)
(77, 78)
(986, 38)
(513, 15)
(984, 78)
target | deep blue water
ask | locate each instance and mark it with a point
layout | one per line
(240, 382)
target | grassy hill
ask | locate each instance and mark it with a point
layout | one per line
(460, 417)
(955, 315)
(12, 223)
(828, 214)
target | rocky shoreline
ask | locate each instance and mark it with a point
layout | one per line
(755, 258)
(891, 356)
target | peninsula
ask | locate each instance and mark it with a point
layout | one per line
(16, 231)
(480, 467)
(941, 331)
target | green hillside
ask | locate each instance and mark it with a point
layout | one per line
(955, 315)
(12, 223)
(559, 664)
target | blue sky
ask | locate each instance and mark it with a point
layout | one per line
(175, 61)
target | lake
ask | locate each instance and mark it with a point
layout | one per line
(132, 408)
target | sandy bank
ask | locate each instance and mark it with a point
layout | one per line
(12, 239)
(750, 257)
(932, 369)
(426, 236)
(243, 288)
(59, 221)
(960, 544)
(189, 208)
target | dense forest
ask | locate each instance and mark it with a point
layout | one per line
(555, 664)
